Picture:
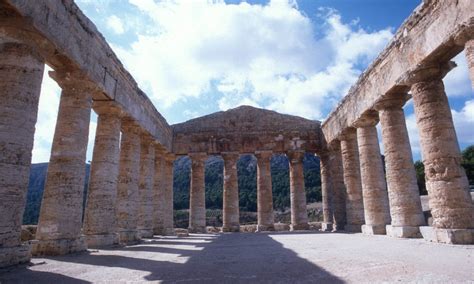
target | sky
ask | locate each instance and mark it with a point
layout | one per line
(196, 57)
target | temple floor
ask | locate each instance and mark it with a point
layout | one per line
(258, 257)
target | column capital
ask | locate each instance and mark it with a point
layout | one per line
(230, 155)
(335, 145)
(146, 138)
(107, 108)
(198, 156)
(392, 101)
(295, 156)
(169, 157)
(367, 119)
(350, 133)
(265, 154)
(428, 72)
(159, 149)
(75, 81)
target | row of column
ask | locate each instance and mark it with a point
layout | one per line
(197, 207)
(389, 203)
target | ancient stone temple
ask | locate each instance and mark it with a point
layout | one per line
(130, 194)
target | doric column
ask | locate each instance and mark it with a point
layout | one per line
(231, 193)
(158, 191)
(403, 193)
(21, 74)
(446, 182)
(339, 189)
(60, 220)
(197, 194)
(168, 227)
(374, 187)
(145, 186)
(264, 192)
(326, 192)
(352, 180)
(127, 188)
(100, 224)
(469, 50)
(299, 215)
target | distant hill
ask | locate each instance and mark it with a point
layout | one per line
(247, 170)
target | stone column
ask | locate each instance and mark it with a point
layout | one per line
(299, 215)
(168, 213)
(127, 189)
(21, 74)
(469, 50)
(339, 189)
(446, 181)
(264, 192)
(231, 193)
(100, 225)
(145, 186)
(60, 220)
(374, 187)
(403, 193)
(326, 192)
(197, 195)
(158, 191)
(352, 180)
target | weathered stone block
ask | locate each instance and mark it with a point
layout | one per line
(374, 230)
(59, 246)
(353, 228)
(403, 231)
(448, 236)
(95, 241)
(15, 255)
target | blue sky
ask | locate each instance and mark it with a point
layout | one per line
(196, 57)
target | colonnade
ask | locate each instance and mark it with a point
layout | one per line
(230, 207)
(379, 202)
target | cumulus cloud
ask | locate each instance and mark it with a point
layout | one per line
(263, 55)
(115, 24)
(457, 82)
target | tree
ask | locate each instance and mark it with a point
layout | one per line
(468, 163)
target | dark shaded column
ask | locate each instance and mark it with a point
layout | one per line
(299, 215)
(197, 195)
(339, 189)
(231, 193)
(264, 192)
(145, 186)
(168, 223)
(326, 192)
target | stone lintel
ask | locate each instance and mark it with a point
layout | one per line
(403, 231)
(367, 119)
(374, 229)
(447, 236)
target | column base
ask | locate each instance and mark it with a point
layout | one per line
(403, 231)
(265, 228)
(326, 227)
(145, 233)
(59, 246)
(299, 227)
(353, 228)
(447, 236)
(231, 229)
(163, 231)
(15, 255)
(95, 241)
(128, 237)
(197, 230)
(338, 228)
(373, 229)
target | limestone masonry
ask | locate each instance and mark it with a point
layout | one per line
(130, 194)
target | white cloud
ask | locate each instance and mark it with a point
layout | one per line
(115, 24)
(263, 55)
(457, 82)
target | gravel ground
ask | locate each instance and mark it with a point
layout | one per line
(263, 258)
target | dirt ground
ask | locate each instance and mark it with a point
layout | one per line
(258, 258)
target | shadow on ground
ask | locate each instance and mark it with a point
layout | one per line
(212, 259)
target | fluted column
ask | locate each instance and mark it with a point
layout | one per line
(231, 193)
(100, 224)
(469, 50)
(374, 187)
(352, 180)
(404, 197)
(197, 195)
(168, 213)
(127, 188)
(446, 181)
(265, 216)
(145, 186)
(21, 74)
(60, 220)
(339, 189)
(299, 215)
(326, 192)
(158, 191)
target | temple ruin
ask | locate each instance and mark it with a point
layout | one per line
(130, 193)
